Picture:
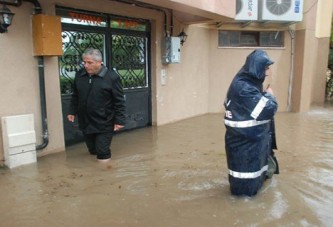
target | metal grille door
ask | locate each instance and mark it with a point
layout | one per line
(129, 58)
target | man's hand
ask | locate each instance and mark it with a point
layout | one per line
(117, 127)
(70, 118)
(269, 90)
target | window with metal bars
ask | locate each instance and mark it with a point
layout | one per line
(250, 38)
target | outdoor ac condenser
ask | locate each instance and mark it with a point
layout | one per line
(246, 10)
(281, 10)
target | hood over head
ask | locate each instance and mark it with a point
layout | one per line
(255, 65)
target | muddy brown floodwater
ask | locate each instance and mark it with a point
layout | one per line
(176, 175)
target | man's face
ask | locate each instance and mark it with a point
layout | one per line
(268, 71)
(92, 66)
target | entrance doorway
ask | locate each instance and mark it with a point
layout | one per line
(124, 43)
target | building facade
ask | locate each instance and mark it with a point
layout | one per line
(194, 84)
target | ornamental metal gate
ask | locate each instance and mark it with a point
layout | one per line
(129, 58)
(124, 43)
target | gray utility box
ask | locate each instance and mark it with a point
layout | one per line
(170, 50)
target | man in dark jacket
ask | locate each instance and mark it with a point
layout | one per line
(248, 114)
(98, 101)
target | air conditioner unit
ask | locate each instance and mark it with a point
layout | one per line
(281, 10)
(246, 10)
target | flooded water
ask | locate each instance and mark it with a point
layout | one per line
(176, 175)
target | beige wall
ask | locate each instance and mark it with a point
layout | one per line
(319, 71)
(311, 56)
(322, 35)
(323, 22)
(298, 72)
(186, 91)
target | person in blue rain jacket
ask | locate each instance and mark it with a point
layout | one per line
(249, 112)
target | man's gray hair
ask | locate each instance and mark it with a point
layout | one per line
(94, 53)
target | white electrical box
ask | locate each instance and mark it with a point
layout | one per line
(19, 140)
(171, 50)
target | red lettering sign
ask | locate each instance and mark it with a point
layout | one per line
(89, 19)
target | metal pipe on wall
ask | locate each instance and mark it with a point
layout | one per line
(41, 73)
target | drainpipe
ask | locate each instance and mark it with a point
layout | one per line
(291, 77)
(171, 22)
(45, 134)
(41, 74)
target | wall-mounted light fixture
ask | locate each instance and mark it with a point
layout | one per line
(183, 37)
(6, 18)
